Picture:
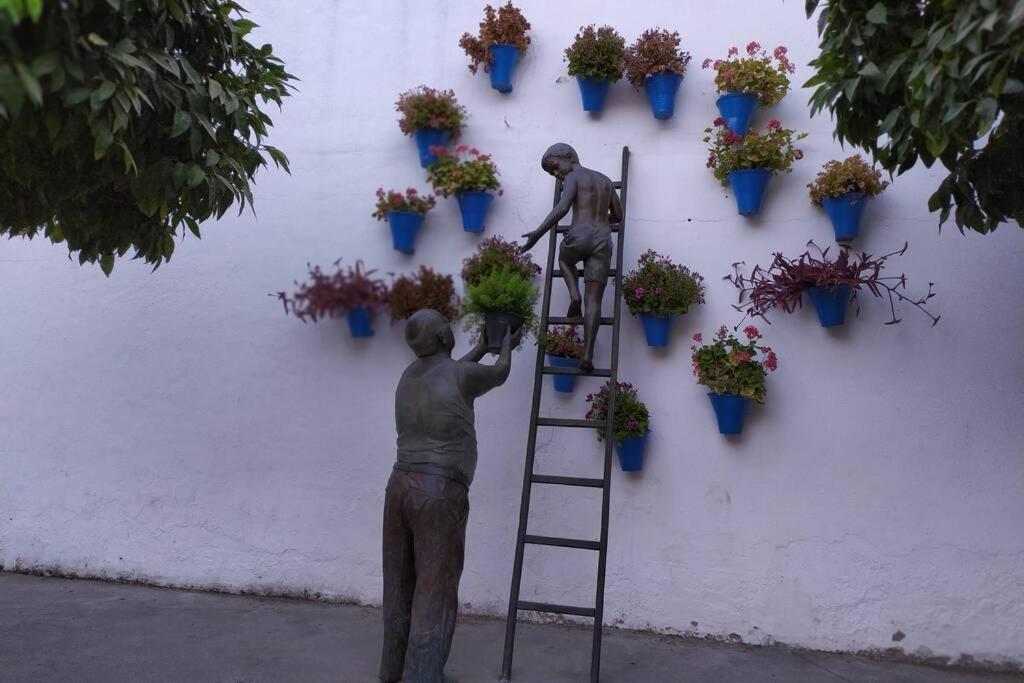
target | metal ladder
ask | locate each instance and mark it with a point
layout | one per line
(530, 478)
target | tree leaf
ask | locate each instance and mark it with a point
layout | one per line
(182, 122)
(30, 83)
(107, 264)
(877, 14)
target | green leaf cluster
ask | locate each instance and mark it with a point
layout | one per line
(464, 171)
(501, 290)
(931, 81)
(596, 53)
(853, 174)
(773, 149)
(730, 366)
(123, 121)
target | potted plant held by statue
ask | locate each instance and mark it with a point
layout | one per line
(404, 214)
(843, 188)
(656, 64)
(501, 42)
(351, 292)
(503, 299)
(471, 177)
(432, 117)
(631, 426)
(735, 371)
(659, 290)
(745, 82)
(595, 59)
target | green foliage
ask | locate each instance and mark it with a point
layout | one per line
(730, 366)
(124, 120)
(596, 53)
(837, 178)
(465, 171)
(773, 149)
(503, 26)
(660, 287)
(631, 415)
(425, 107)
(931, 80)
(656, 50)
(755, 74)
(501, 290)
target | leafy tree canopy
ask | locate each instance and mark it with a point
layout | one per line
(122, 121)
(931, 80)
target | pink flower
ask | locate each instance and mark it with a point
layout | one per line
(771, 361)
(753, 46)
(632, 425)
(751, 332)
(742, 356)
(718, 63)
(733, 51)
(474, 151)
(780, 52)
(798, 154)
(775, 124)
(696, 367)
(721, 122)
(731, 138)
(706, 63)
(657, 290)
(722, 331)
(698, 337)
(461, 148)
(638, 293)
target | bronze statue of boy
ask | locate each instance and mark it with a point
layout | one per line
(595, 204)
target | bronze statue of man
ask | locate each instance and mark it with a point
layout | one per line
(595, 205)
(427, 499)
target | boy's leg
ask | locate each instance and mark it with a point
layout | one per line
(591, 322)
(572, 282)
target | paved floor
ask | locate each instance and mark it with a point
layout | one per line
(59, 631)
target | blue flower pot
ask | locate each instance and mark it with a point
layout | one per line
(359, 322)
(737, 108)
(748, 186)
(474, 206)
(427, 138)
(845, 213)
(631, 452)
(405, 225)
(504, 59)
(564, 384)
(729, 409)
(656, 328)
(593, 90)
(661, 93)
(831, 304)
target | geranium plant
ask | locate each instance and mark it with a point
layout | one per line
(596, 53)
(730, 366)
(758, 73)
(655, 51)
(425, 107)
(503, 26)
(424, 289)
(467, 170)
(563, 341)
(661, 288)
(837, 178)
(772, 150)
(631, 415)
(495, 254)
(783, 282)
(501, 291)
(393, 200)
(331, 295)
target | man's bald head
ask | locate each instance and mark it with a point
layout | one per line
(428, 332)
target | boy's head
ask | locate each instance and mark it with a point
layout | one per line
(559, 160)
(428, 332)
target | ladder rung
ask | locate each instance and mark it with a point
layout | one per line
(596, 372)
(555, 609)
(567, 481)
(563, 422)
(577, 321)
(562, 229)
(617, 184)
(562, 542)
(557, 272)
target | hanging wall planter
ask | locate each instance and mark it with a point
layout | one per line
(405, 225)
(631, 427)
(630, 452)
(504, 59)
(360, 322)
(595, 59)
(427, 140)
(502, 40)
(735, 371)
(658, 290)
(737, 110)
(593, 91)
(404, 214)
(564, 348)
(655, 63)
(729, 411)
(564, 384)
(352, 293)
(470, 177)
(473, 206)
(744, 83)
(831, 304)
(661, 89)
(433, 117)
(748, 186)
(843, 188)
(656, 329)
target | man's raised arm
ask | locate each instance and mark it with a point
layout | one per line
(476, 379)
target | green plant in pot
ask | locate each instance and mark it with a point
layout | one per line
(631, 426)
(501, 299)
(843, 188)
(595, 59)
(734, 370)
(657, 291)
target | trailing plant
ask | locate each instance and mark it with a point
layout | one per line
(773, 149)
(596, 53)
(424, 289)
(931, 81)
(425, 107)
(656, 50)
(760, 74)
(783, 282)
(495, 254)
(330, 295)
(728, 365)
(503, 26)
(836, 178)
(501, 290)
(660, 287)
(124, 121)
(631, 415)
(563, 341)
(465, 171)
(393, 200)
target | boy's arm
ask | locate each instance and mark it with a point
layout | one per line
(476, 379)
(565, 203)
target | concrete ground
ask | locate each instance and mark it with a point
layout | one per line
(57, 631)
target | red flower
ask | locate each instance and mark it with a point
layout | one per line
(742, 356)
(731, 138)
(733, 51)
(721, 122)
(461, 148)
(775, 124)
(751, 332)
(753, 46)
(698, 337)
(771, 361)
(780, 52)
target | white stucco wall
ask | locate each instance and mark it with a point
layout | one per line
(177, 428)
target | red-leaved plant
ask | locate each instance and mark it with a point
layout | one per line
(424, 289)
(656, 50)
(503, 26)
(783, 282)
(393, 200)
(331, 295)
(563, 341)
(424, 107)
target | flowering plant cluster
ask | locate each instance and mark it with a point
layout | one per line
(503, 26)
(425, 107)
(654, 51)
(783, 282)
(759, 73)
(596, 53)
(424, 289)
(465, 171)
(728, 365)
(660, 287)
(563, 341)
(335, 294)
(836, 178)
(631, 415)
(773, 149)
(393, 200)
(494, 254)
